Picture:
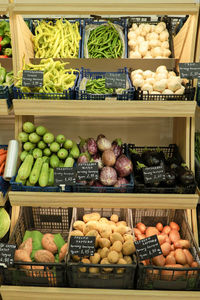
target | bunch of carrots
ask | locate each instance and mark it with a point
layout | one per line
(3, 155)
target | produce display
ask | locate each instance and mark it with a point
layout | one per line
(160, 82)
(59, 39)
(105, 41)
(42, 152)
(5, 39)
(4, 222)
(114, 242)
(176, 251)
(3, 155)
(148, 41)
(56, 79)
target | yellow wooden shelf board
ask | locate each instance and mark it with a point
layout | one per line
(4, 110)
(38, 293)
(104, 200)
(111, 7)
(3, 199)
(103, 109)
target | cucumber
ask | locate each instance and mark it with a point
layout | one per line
(18, 180)
(54, 161)
(44, 175)
(35, 173)
(51, 177)
(25, 168)
(23, 155)
(69, 162)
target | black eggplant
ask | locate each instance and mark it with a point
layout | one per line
(170, 178)
(174, 162)
(138, 173)
(185, 176)
(152, 158)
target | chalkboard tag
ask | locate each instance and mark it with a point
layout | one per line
(88, 171)
(148, 247)
(189, 70)
(154, 174)
(64, 176)
(82, 245)
(32, 78)
(115, 80)
(7, 255)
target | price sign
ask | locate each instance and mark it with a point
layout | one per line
(189, 70)
(154, 174)
(66, 176)
(88, 171)
(7, 254)
(115, 80)
(32, 78)
(82, 245)
(148, 247)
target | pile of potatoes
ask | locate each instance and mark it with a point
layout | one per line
(148, 41)
(160, 82)
(114, 242)
(176, 253)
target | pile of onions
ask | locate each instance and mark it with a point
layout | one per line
(148, 41)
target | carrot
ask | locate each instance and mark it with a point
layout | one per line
(2, 168)
(2, 158)
(3, 151)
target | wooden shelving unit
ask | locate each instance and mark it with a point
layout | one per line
(181, 113)
(3, 199)
(4, 110)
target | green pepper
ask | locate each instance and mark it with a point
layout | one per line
(3, 24)
(6, 41)
(1, 32)
(2, 75)
(6, 27)
(7, 51)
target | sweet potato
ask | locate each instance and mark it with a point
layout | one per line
(151, 231)
(141, 237)
(189, 257)
(159, 260)
(174, 225)
(22, 255)
(174, 235)
(137, 231)
(166, 248)
(44, 256)
(166, 229)
(170, 260)
(180, 257)
(27, 246)
(183, 244)
(141, 227)
(159, 226)
(63, 252)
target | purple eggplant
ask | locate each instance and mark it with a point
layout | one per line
(83, 158)
(124, 166)
(97, 158)
(82, 145)
(116, 148)
(108, 176)
(92, 146)
(100, 136)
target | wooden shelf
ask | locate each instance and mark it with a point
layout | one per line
(103, 200)
(38, 293)
(103, 109)
(4, 110)
(3, 199)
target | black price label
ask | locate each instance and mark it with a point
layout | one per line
(115, 80)
(154, 174)
(65, 176)
(88, 171)
(148, 247)
(189, 70)
(7, 254)
(32, 78)
(82, 245)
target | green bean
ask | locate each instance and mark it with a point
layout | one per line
(97, 86)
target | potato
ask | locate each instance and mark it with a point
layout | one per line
(159, 226)
(63, 252)
(128, 259)
(95, 259)
(180, 257)
(93, 270)
(27, 246)
(128, 248)
(96, 234)
(91, 217)
(121, 262)
(170, 260)
(79, 225)
(76, 233)
(105, 261)
(189, 257)
(105, 230)
(120, 255)
(116, 236)
(174, 236)
(151, 231)
(121, 229)
(44, 256)
(48, 243)
(104, 252)
(141, 227)
(84, 261)
(159, 260)
(166, 229)
(117, 246)
(22, 255)
(103, 242)
(174, 225)
(76, 258)
(182, 244)
(127, 237)
(114, 218)
(113, 257)
(121, 223)
(104, 220)
(166, 248)
(91, 225)
(137, 231)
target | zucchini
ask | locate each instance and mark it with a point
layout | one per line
(35, 173)
(18, 180)
(51, 177)
(28, 183)
(44, 175)
(25, 168)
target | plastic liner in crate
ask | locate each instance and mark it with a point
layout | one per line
(154, 277)
(4, 185)
(125, 94)
(101, 279)
(6, 92)
(167, 21)
(35, 23)
(126, 188)
(118, 21)
(140, 187)
(45, 220)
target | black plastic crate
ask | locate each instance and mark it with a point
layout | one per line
(150, 277)
(168, 151)
(6, 92)
(126, 188)
(4, 185)
(45, 220)
(102, 279)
